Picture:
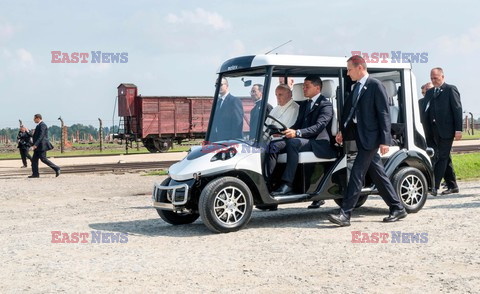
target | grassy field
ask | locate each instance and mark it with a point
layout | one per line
(467, 166)
(466, 136)
(92, 150)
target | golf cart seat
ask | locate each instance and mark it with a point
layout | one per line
(391, 89)
(329, 91)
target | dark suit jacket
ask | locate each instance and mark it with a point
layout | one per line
(23, 139)
(373, 116)
(40, 138)
(318, 122)
(255, 116)
(422, 104)
(228, 120)
(447, 110)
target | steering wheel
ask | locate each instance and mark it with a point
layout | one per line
(273, 129)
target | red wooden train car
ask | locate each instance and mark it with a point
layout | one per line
(158, 121)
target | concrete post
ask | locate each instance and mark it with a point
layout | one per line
(62, 139)
(100, 134)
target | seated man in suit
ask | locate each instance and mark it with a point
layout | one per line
(256, 93)
(228, 117)
(309, 133)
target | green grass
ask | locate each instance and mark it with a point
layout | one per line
(95, 151)
(467, 166)
(162, 172)
(466, 136)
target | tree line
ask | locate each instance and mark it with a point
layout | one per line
(55, 131)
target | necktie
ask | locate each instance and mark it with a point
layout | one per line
(309, 105)
(305, 123)
(436, 92)
(219, 103)
(355, 93)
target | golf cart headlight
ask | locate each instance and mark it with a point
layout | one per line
(224, 154)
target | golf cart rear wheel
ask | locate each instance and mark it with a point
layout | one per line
(411, 187)
(226, 205)
(360, 202)
(173, 217)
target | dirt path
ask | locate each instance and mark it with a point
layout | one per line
(290, 250)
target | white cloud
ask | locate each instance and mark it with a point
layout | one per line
(25, 58)
(199, 16)
(468, 42)
(6, 31)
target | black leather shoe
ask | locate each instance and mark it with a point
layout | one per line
(57, 172)
(316, 204)
(33, 176)
(284, 189)
(395, 216)
(339, 219)
(434, 192)
(450, 191)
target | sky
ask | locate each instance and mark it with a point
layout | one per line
(176, 47)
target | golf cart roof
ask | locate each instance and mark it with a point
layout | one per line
(298, 64)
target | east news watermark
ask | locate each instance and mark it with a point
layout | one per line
(89, 57)
(393, 57)
(93, 237)
(397, 237)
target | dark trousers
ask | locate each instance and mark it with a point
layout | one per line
(42, 155)
(292, 147)
(369, 161)
(24, 154)
(442, 163)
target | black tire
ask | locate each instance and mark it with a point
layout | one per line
(360, 202)
(219, 209)
(411, 187)
(173, 217)
(162, 145)
(148, 143)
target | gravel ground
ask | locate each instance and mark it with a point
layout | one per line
(289, 250)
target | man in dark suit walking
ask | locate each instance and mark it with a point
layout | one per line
(24, 142)
(444, 118)
(40, 147)
(228, 117)
(309, 133)
(366, 119)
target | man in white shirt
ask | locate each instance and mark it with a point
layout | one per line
(287, 110)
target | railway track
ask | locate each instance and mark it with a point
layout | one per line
(142, 166)
(92, 168)
(466, 149)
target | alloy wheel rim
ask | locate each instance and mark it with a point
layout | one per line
(411, 190)
(230, 205)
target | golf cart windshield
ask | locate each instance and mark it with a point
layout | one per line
(237, 111)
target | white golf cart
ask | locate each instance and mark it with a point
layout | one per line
(222, 181)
